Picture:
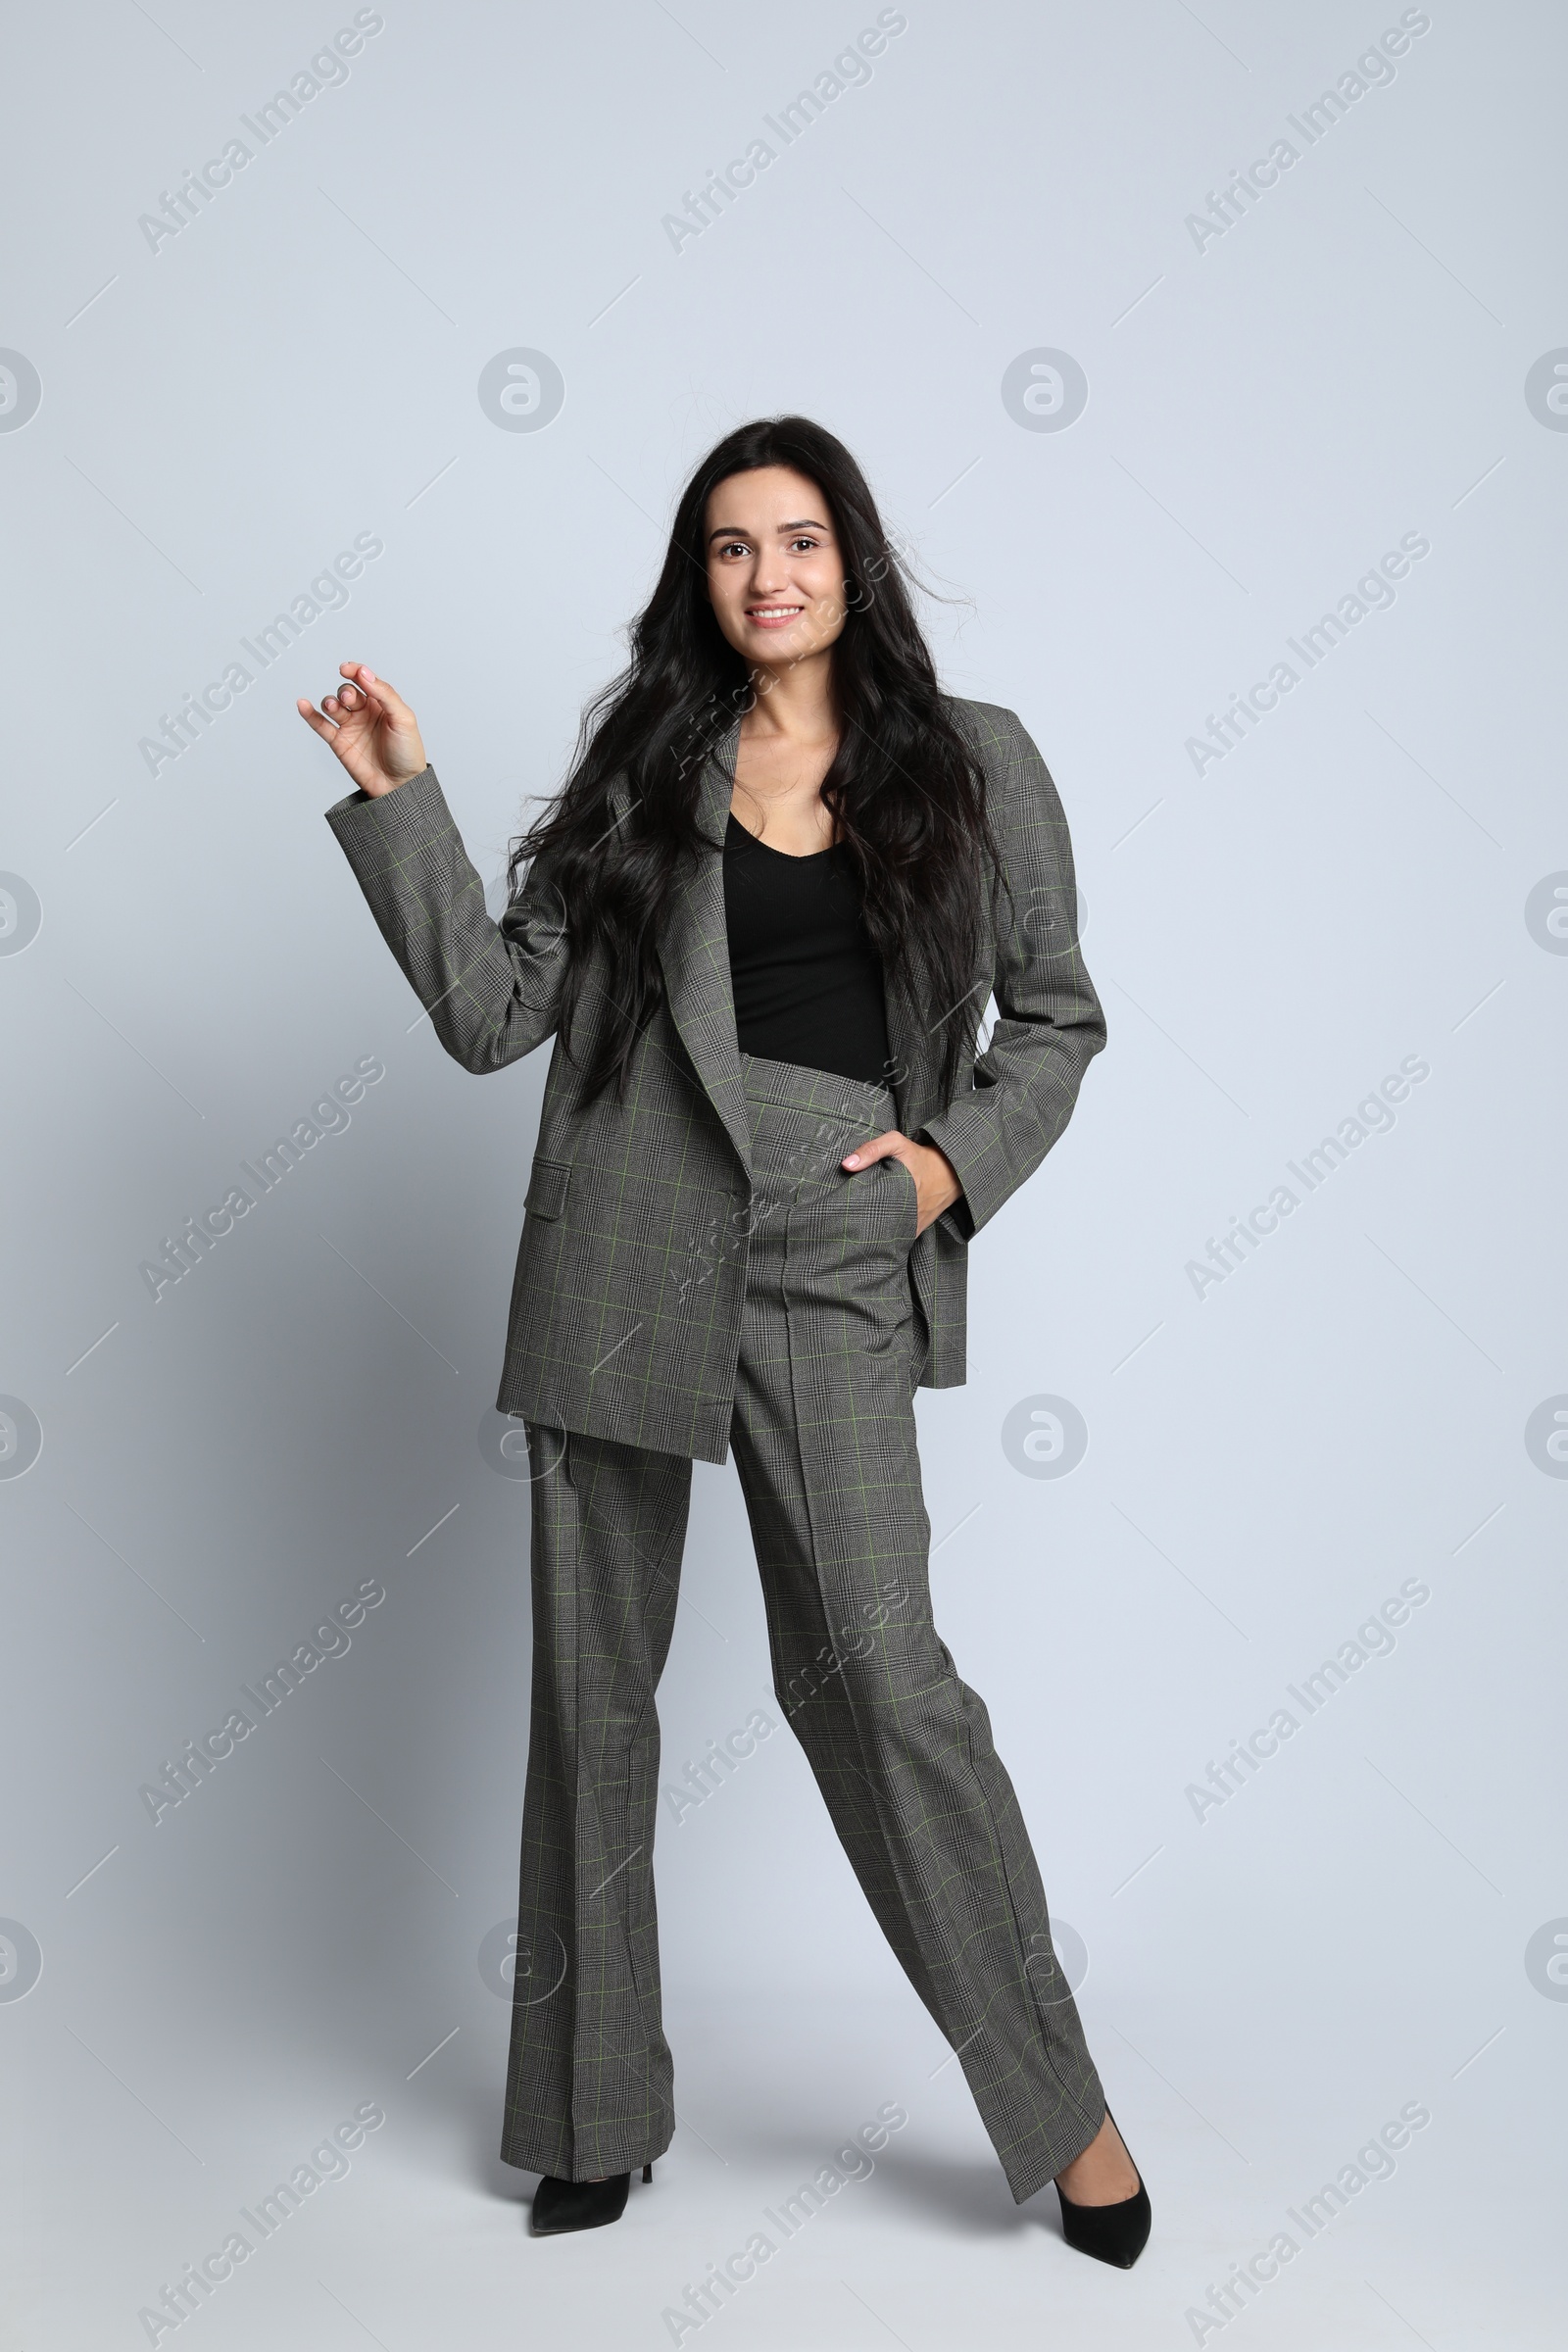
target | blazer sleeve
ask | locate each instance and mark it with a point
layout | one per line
(1049, 1023)
(492, 990)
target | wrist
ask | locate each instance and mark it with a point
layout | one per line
(945, 1173)
(383, 784)
(949, 1170)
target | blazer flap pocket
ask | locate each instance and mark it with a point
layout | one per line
(546, 1188)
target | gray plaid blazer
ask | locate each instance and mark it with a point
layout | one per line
(626, 1304)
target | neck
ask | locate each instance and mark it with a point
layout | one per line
(795, 700)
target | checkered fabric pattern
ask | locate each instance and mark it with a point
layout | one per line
(610, 1335)
(824, 1439)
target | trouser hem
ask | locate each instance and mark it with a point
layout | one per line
(538, 2157)
(1028, 2182)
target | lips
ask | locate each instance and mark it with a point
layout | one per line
(773, 616)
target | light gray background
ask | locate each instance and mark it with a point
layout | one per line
(1265, 1464)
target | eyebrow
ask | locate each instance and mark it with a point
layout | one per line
(734, 531)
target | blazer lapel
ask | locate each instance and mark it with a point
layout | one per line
(694, 955)
(916, 1047)
(905, 1052)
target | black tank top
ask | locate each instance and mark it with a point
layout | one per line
(806, 977)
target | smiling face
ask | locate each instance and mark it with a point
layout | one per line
(775, 573)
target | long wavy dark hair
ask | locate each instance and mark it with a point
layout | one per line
(906, 793)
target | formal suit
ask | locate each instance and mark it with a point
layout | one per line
(607, 1336)
(698, 1272)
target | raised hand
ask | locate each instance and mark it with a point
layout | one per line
(370, 729)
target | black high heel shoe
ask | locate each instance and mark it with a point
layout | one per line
(1114, 2234)
(561, 2205)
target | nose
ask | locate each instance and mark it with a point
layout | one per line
(769, 574)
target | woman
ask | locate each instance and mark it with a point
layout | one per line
(762, 921)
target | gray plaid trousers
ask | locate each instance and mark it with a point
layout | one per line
(824, 1441)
